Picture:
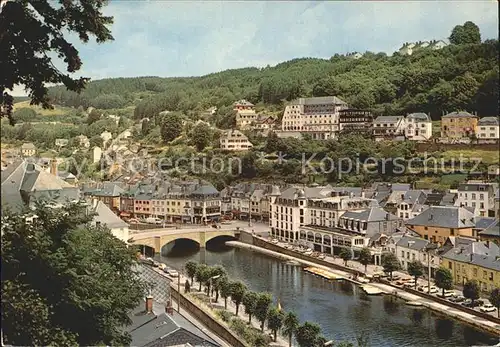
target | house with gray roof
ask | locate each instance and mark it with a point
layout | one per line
(437, 223)
(24, 183)
(154, 325)
(478, 261)
(104, 216)
(488, 130)
(477, 195)
(28, 149)
(418, 127)
(408, 249)
(388, 127)
(107, 192)
(491, 233)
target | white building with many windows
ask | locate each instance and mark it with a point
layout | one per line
(418, 127)
(488, 129)
(480, 196)
(296, 207)
(318, 116)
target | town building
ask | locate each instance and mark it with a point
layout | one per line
(479, 196)
(106, 136)
(263, 124)
(245, 114)
(96, 154)
(491, 233)
(408, 204)
(61, 143)
(437, 223)
(418, 127)
(408, 249)
(297, 207)
(355, 121)
(234, 140)
(318, 117)
(24, 183)
(28, 149)
(478, 261)
(388, 127)
(458, 125)
(83, 141)
(248, 200)
(104, 216)
(488, 130)
(159, 325)
(107, 192)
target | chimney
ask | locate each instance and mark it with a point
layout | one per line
(53, 167)
(149, 304)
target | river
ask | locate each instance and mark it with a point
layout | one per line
(342, 309)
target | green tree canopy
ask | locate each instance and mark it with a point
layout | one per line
(31, 32)
(468, 33)
(290, 325)
(495, 299)
(275, 318)
(201, 136)
(365, 257)
(191, 268)
(471, 290)
(308, 335)
(65, 282)
(415, 269)
(443, 279)
(238, 290)
(171, 126)
(250, 303)
(264, 301)
(390, 263)
(346, 254)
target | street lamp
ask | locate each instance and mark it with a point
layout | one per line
(431, 247)
(210, 280)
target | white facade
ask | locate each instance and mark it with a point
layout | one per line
(388, 127)
(106, 136)
(418, 127)
(488, 129)
(479, 196)
(320, 206)
(96, 154)
(234, 140)
(317, 116)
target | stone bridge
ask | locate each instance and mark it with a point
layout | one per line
(160, 237)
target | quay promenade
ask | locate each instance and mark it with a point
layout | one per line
(469, 318)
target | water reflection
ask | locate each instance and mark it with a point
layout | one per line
(444, 328)
(341, 308)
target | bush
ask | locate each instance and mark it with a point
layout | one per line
(224, 315)
(248, 333)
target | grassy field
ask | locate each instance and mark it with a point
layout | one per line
(57, 111)
(487, 157)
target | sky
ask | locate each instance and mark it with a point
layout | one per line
(192, 38)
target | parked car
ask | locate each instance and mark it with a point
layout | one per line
(457, 299)
(156, 264)
(468, 303)
(425, 289)
(154, 220)
(410, 284)
(447, 294)
(487, 308)
(162, 266)
(172, 273)
(275, 241)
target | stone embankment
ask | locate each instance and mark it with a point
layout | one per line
(477, 321)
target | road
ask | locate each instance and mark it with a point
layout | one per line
(188, 228)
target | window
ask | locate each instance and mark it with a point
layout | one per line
(402, 254)
(473, 196)
(481, 196)
(449, 265)
(407, 255)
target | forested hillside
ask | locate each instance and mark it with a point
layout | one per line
(459, 76)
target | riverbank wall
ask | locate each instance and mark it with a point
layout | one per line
(388, 288)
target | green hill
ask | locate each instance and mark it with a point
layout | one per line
(434, 81)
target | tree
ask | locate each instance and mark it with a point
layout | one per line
(250, 303)
(390, 263)
(24, 114)
(93, 116)
(238, 290)
(275, 320)
(225, 289)
(290, 325)
(201, 136)
(443, 279)
(308, 335)
(416, 269)
(262, 308)
(365, 257)
(171, 126)
(218, 270)
(202, 272)
(471, 290)
(92, 287)
(465, 34)
(346, 255)
(495, 299)
(32, 32)
(191, 267)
